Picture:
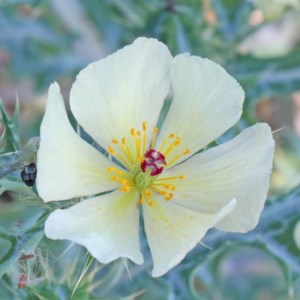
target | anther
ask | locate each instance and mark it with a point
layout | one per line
(177, 141)
(148, 193)
(186, 151)
(132, 131)
(114, 141)
(124, 189)
(144, 126)
(169, 197)
(111, 150)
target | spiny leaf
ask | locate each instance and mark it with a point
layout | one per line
(9, 140)
(12, 161)
(26, 244)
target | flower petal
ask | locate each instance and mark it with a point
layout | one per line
(237, 169)
(107, 226)
(118, 93)
(172, 231)
(67, 166)
(207, 101)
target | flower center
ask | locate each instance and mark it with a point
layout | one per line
(141, 179)
(144, 163)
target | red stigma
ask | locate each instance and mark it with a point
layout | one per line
(153, 161)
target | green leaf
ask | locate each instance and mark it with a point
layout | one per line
(10, 140)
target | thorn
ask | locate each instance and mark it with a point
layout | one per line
(67, 249)
(127, 269)
(278, 130)
(206, 246)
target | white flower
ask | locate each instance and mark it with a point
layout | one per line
(117, 101)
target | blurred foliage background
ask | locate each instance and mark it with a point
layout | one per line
(257, 41)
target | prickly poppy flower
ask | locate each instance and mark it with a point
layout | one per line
(181, 191)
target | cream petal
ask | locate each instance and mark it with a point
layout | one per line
(172, 231)
(67, 166)
(237, 169)
(118, 93)
(207, 101)
(108, 226)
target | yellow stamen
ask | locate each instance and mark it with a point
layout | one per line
(170, 136)
(154, 134)
(127, 153)
(145, 197)
(144, 126)
(170, 178)
(185, 152)
(161, 192)
(132, 132)
(138, 145)
(121, 158)
(177, 141)
(169, 197)
(172, 146)
(123, 181)
(148, 193)
(123, 174)
(111, 151)
(144, 143)
(125, 188)
(119, 172)
(166, 186)
(126, 150)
